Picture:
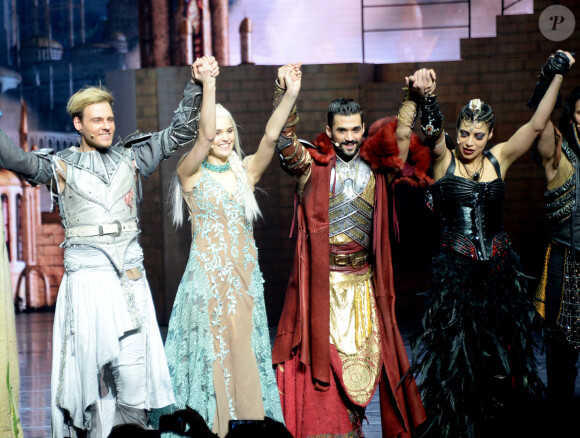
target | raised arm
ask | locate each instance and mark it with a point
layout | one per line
(549, 150)
(552, 73)
(257, 163)
(420, 83)
(151, 149)
(432, 121)
(204, 71)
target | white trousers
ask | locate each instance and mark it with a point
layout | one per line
(105, 370)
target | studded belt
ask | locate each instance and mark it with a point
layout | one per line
(356, 259)
(116, 228)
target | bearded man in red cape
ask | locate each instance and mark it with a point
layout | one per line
(338, 337)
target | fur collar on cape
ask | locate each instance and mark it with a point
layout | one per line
(381, 152)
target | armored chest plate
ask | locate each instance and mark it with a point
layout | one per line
(349, 212)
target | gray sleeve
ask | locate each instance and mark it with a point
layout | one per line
(35, 167)
(183, 131)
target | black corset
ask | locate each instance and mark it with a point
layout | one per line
(471, 214)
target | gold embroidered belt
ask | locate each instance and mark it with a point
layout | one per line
(356, 259)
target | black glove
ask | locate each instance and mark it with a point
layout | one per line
(557, 63)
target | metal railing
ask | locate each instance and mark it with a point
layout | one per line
(367, 5)
(505, 7)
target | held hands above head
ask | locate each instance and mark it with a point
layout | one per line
(546, 91)
(203, 71)
(558, 63)
(293, 81)
(285, 115)
(543, 100)
(418, 85)
(285, 69)
(204, 68)
(422, 82)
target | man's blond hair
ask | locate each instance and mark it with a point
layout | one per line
(86, 96)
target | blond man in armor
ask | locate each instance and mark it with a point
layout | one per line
(105, 322)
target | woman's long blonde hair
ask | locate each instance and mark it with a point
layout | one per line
(251, 207)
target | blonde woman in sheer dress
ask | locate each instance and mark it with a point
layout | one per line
(218, 344)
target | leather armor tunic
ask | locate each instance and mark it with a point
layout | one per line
(100, 190)
(349, 212)
(471, 213)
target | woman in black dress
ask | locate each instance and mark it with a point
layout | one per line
(475, 356)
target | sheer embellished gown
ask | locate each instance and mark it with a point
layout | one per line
(218, 345)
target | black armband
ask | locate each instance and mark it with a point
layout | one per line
(431, 119)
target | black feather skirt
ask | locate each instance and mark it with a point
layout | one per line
(474, 359)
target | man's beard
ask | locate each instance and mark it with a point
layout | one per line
(342, 153)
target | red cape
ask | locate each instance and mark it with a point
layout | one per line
(304, 324)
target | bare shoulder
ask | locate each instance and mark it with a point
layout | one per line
(498, 152)
(441, 163)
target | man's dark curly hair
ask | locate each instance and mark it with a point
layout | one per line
(343, 106)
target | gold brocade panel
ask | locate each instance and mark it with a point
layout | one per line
(355, 334)
(350, 310)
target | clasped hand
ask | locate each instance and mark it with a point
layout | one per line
(422, 82)
(204, 68)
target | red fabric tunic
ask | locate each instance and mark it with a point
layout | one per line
(303, 330)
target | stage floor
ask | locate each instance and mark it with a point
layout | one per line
(35, 360)
(35, 353)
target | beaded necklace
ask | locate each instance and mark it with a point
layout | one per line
(475, 176)
(219, 168)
